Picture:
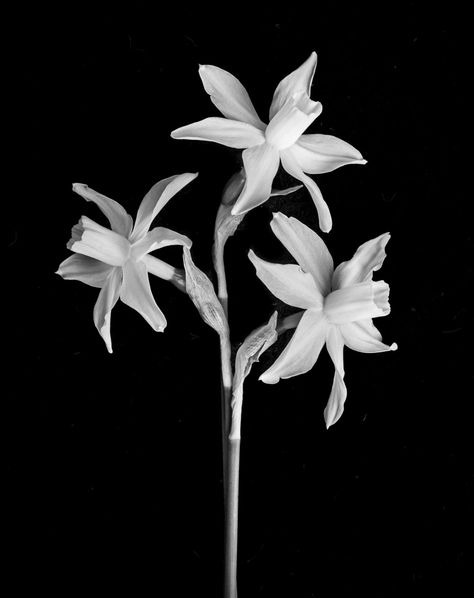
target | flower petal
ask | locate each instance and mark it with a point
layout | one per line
(302, 352)
(360, 301)
(367, 259)
(136, 293)
(308, 249)
(231, 133)
(261, 165)
(291, 122)
(337, 398)
(288, 283)
(108, 297)
(363, 336)
(229, 95)
(156, 239)
(317, 154)
(156, 199)
(292, 167)
(165, 271)
(85, 269)
(296, 82)
(120, 221)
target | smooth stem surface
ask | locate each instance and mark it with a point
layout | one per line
(226, 397)
(231, 518)
(221, 279)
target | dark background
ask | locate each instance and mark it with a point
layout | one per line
(113, 462)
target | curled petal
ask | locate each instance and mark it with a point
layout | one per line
(337, 398)
(288, 283)
(363, 336)
(156, 199)
(261, 165)
(229, 95)
(136, 293)
(292, 167)
(120, 221)
(302, 351)
(231, 133)
(85, 269)
(366, 260)
(158, 238)
(293, 84)
(317, 154)
(108, 297)
(308, 249)
(358, 302)
(290, 122)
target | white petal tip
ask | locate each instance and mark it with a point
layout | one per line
(393, 347)
(363, 161)
(268, 379)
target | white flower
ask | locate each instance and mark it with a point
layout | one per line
(117, 260)
(339, 304)
(291, 113)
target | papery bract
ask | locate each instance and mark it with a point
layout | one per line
(117, 260)
(339, 304)
(283, 139)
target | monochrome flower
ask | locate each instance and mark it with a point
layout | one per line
(117, 260)
(283, 139)
(338, 304)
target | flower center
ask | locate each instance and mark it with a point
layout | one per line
(96, 241)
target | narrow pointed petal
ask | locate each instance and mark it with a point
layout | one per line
(85, 269)
(367, 259)
(261, 165)
(292, 167)
(229, 95)
(108, 297)
(288, 283)
(296, 82)
(289, 123)
(156, 199)
(165, 271)
(232, 133)
(363, 336)
(157, 238)
(120, 221)
(358, 302)
(337, 398)
(302, 351)
(316, 154)
(308, 249)
(136, 293)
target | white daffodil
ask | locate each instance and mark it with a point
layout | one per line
(291, 113)
(117, 260)
(338, 304)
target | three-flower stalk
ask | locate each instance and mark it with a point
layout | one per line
(283, 139)
(118, 260)
(338, 304)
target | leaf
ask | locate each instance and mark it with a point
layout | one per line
(201, 291)
(249, 352)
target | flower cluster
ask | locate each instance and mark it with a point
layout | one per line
(337, 305)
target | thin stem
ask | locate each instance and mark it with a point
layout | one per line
(221, 279)
(226, 397)
(231, 520)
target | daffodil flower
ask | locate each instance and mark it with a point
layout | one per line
(291, 113)
(117, 260)
(338, 304)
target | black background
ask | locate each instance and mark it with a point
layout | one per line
(113, 462)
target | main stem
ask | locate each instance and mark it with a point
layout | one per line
(231, 518)
(230, 447)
